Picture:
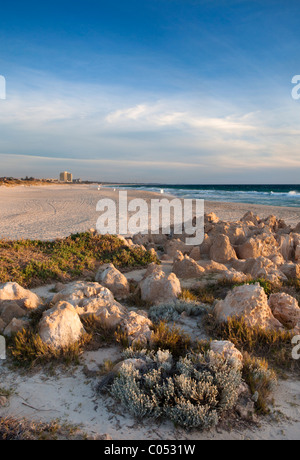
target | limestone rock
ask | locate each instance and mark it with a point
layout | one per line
(286, 309)
(23, 297)
(291, 270)
(15, 326)
(137, 327)
(61, 326)
(114, 280)
(251, 218)
(249, 302)
(229, 351)
(9, 310)
(195, 253)
(157, 287)
(221, 249)
(78, 291)
(175, 245)
(262, 245)
(185, 267)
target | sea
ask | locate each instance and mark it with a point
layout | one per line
(274, 195)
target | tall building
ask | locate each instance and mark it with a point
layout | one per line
(66, 177)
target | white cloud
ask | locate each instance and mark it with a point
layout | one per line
(107, 128)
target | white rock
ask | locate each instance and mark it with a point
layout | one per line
(114, 280)
(229, 351)
(61, 326)
(249, 302)
(23, 297)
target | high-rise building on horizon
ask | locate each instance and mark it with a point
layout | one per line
(66, 177)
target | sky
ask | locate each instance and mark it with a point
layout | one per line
(158, 91)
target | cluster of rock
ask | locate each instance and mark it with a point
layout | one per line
(238, 251)
(251, 247)
(61, 325)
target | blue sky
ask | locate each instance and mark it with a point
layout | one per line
(173, 91)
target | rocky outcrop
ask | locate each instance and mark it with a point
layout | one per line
(23, 297)
(137, 327)
(93, 299)
(249, 302)
(184, 267)
(61, 326)
(286, 309)
(157, 286)
(221, 249)
(114, 280)
(9, 309)
(15, 326)
(262, 245)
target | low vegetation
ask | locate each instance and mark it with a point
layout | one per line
(274, 346)
(261, 381)
(22, 430)
(28, 350)
(193, 391)
(33, 263)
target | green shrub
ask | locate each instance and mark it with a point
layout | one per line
(31, 263)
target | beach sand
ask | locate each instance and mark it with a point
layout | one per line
(55, 211)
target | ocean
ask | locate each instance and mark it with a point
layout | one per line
(274, 195)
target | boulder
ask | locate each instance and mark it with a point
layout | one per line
(211, 218)
(60, 326)
(262, 245)
(15, 326)
(174, 245)
(250, 218)
(210, 266)
(195, 253)
(157, 286)
(285, 308)
(205, 245)
(114, 280)
(2, 325)
(184, 267)
(23, 297)
(249, 302)
(93, 299)
(137, 327)
(265, 269)
(229, 351)
(221, 249)
(290, 270)
(77, 292)
(297, 253)
(9, 309)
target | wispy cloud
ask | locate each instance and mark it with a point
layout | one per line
(103, 130)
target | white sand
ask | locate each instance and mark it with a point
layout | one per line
(71, 397)
(56, 211)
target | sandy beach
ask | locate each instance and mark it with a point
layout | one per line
(56, 211)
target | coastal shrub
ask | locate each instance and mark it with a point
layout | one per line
(193, 392)
(12, 429)
(28, 350)
(33, 262)
(260, 379)
(272, 345)
(171, 338)
(172, 311)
